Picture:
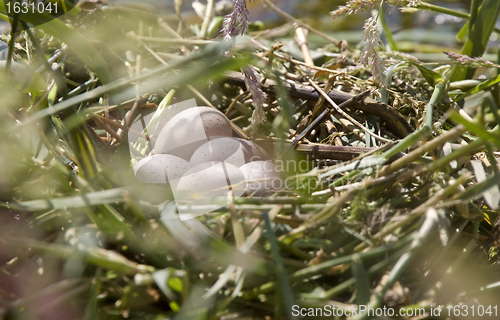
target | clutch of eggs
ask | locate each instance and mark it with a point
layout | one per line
(195, 152)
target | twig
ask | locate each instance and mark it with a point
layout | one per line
(111, 132)
(326, 113)
(300, 39)
(206, 18)
(167, 28)
(332, 130)
(348, 125)
(94, 134)
(317, 106)
(322, 151)
(300, 63)
(359, 97)
(235, 100)
(372, 182)
(300, 23)
(113, 123)
(177, 40)
(132, 113)
(59, 53)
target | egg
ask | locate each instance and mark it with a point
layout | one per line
(264, 170)
(209, 179)
(230, 150)
(189, 129)
(161, 168)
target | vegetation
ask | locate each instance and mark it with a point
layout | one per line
(396, 205)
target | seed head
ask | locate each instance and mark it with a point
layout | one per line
(258, 96)
(353, 7)
(369, 56)
(237, 21)
(471, 62)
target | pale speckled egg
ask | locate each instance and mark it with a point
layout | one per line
(231, 150)
(161, 168)
(191, 128)
(211, 179)
(265, 170)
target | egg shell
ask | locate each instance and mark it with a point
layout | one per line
(191, 128)
(161, 168)
(261, 170)
(230, 150)
(211, 179)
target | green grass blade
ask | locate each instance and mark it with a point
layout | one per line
(475, 128)
(91, 309)
(484, 85)
(432, 77)
(387, 31)
(479, 36)
(285, 288)
(479, 189)
(91, 198)
(107, 259)
(362, 282)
